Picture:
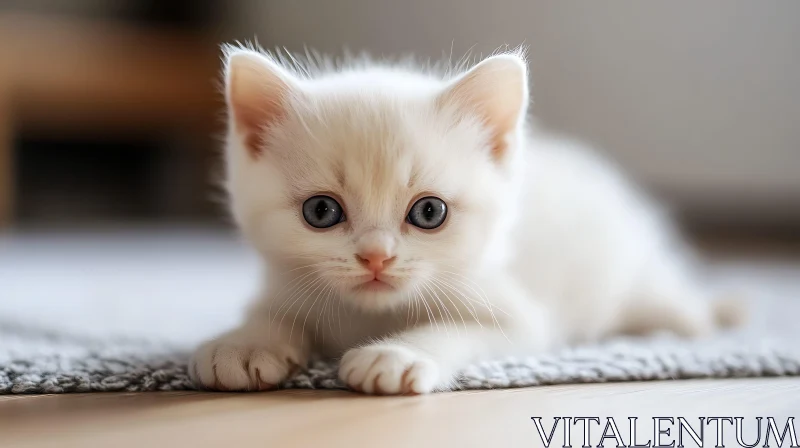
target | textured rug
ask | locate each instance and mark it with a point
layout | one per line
(123, 313)
(38, 361)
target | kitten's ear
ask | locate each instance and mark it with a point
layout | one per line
(497, 91)
(257, 90)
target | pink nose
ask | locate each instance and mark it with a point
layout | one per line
(375, 261)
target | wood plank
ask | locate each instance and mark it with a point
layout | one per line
(343, 419)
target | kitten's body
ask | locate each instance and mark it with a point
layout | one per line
(543, 243)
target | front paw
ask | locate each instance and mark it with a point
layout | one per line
(230, 365)
(389, 370)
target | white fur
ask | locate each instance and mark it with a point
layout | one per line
(544, 243)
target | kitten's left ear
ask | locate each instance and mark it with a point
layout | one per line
(258, 90)
(496, 90)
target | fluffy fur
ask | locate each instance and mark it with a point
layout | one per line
(544, 243)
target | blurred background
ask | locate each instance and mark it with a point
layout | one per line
(110, 110)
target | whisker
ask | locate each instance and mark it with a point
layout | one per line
(418, 307)
(482, 293)
(322, 311)
(339, 315)
(302, 336)
(409, 305)
(296, 294)
(487, 303)
(330, 296)
(441, 313)
(452, 303)
(292, 285)
(464, 299)
(427, 308)
(302, 267)
(455, 325)
(310, 284)
(419, 311)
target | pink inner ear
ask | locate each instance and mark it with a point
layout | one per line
(500, 114)
(254, 122)
(256, 96)
(499, 143)
(495, 91)
(499, 122)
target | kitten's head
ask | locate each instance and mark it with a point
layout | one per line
(377, 183)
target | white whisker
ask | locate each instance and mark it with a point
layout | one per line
(449, 314)
(312, 284)
(427, 308)
(296, 295)
(461, 296)
(293, 286)
(330, 296)
(452, 303)
(322, 311)
(482, 294)
(487, 303)
(339, 315)
(302, 335)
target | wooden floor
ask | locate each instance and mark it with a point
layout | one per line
(342, 419)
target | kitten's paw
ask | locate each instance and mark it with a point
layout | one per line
(230, 366)
(389, 370)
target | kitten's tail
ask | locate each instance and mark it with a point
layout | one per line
(730, 311)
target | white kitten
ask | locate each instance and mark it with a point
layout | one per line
(412, 224)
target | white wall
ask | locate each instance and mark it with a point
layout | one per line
(701, 100)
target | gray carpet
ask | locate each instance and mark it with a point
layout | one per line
(124, 312)
(37, 361)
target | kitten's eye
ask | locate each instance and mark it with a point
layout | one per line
(428, 213)
(322, 212)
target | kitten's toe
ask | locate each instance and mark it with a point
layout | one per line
(226, 366)
(219, 366)
(388, 370)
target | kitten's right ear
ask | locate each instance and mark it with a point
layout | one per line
(496, 91)
(257, 90)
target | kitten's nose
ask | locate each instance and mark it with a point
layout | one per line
(375, 261)
(375, 250)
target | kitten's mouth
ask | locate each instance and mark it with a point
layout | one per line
(376, 285)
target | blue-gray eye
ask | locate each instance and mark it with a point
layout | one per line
(428, 213)
(322, 212)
